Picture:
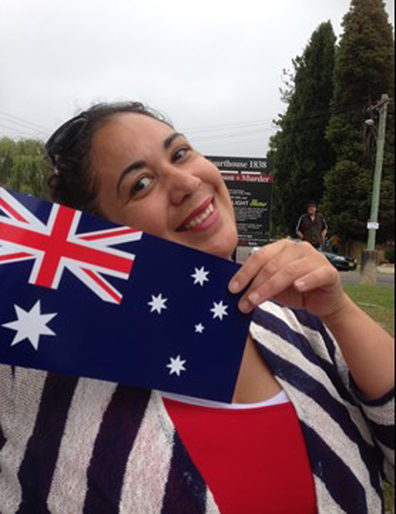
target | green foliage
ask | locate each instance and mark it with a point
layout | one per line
(348, 190)
(300, 150)
(364, 70)
(389, 491)
(23, 166)
(390, 255)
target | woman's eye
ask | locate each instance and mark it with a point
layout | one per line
(179, 154)
(140, 185)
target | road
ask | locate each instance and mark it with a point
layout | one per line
(383, 279)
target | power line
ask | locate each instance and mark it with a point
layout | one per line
(216, 130)
(17, 119)
(230, 136)
(19, 132)
(22, 129)
(228, 126)
(216, 142)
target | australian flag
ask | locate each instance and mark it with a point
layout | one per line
(85, 297)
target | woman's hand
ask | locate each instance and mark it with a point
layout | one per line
(293, 274)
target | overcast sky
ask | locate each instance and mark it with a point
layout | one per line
(212, 66)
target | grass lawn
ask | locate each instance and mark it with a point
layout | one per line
(379, 303)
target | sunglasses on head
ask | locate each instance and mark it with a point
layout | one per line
(65, 137)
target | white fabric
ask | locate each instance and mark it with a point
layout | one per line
(278, 399)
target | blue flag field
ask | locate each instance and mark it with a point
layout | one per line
(85, 297)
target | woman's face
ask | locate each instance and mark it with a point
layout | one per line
(150, 178)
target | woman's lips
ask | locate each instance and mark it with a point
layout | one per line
(201, 218)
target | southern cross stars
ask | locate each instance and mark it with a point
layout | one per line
(219, 310)
(200, 276)
(176, 366)
(199, 328)
(30, 325)
(157, 303)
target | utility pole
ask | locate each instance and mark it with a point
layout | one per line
(369, 258)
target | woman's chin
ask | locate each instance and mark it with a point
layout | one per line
(223, 249)
(217, 240)
(215, 247)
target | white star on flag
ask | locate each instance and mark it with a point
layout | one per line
(157, 303)
(200, 276)
(199, 328)
(219, 310)
(176, 366)
(30, 325)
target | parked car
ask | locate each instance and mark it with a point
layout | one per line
(341, 262)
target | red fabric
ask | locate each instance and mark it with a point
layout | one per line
(254, 461)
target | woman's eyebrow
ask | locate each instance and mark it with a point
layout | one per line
(169, 140)
(137, 165)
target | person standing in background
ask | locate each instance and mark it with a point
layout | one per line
(335, 243)
(312, 227)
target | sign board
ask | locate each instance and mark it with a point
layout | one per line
(249, 181)
(373, 225)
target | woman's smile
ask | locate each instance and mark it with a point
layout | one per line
(201, 218)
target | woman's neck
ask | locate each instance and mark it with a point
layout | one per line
(255, 382)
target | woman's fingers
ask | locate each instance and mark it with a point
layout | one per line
(282, 271)
(322, 277)
(266, 286)
(253, 265)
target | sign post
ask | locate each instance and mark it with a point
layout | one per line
(369, 257)
(249, 181)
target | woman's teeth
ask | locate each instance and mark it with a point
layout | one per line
(200, 219)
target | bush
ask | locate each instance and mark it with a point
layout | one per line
(390, 255)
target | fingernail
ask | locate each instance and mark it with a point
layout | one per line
(245, 306)
(300, 284)
(234, 286)
(254, 298)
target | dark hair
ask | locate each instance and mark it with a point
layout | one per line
(69, 149)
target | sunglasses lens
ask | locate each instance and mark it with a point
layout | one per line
(65, 136)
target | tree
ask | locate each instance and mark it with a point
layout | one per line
(300, 150)
(364, 70)
(23, 166)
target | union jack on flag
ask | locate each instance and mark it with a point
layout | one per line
(56, 245)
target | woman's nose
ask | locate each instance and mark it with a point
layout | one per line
(182, 184)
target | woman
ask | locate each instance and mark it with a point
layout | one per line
(310, 427)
